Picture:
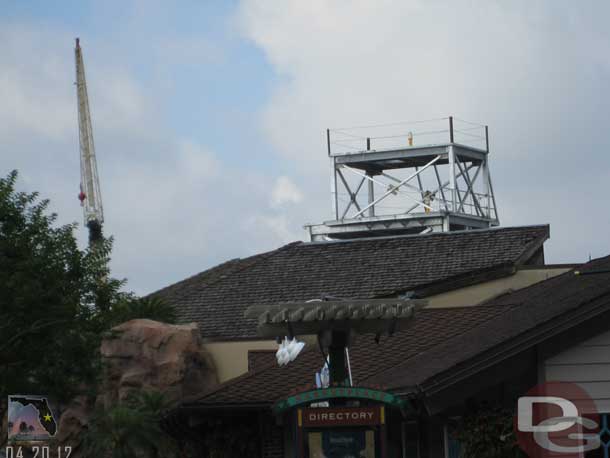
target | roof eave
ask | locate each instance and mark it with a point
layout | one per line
(499, 353)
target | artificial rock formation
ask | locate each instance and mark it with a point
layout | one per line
(73, 421)
(148, 355)
(142, 355)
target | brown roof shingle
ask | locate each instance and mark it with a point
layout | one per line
(269, 382)
(566, 297)
(439, 340)
(355, 269)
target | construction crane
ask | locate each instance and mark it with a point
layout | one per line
(90, 195)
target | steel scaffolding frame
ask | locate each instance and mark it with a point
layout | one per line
(447, 187)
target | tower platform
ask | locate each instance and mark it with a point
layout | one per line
(410, 188)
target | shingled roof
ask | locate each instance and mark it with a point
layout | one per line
(268, 382)
(542, 309)
(355, 269)
(439, 342)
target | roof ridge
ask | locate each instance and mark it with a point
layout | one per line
(507, 294)
(261, 256)
(217, 299)
(192, 277)
(520, 291)
(432, 234)
(498, 268)
(254, 260)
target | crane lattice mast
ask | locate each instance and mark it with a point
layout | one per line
(90, 195)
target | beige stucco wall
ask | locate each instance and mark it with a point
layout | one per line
(231, 358)
(474, 295)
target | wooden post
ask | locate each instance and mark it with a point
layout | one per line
(336, 353)
(383, 432)
(299, 445)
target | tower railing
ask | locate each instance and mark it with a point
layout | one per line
(403, 135)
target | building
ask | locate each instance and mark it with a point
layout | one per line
(497, 321)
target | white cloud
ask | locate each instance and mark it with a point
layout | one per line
(282, 221)
(35, 99)
(535, 72)
(119, 101)
(173, 207)
(361, 62)
(196, 162)
(277, 227)
(285, 192)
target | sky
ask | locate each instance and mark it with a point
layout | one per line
(209, 118)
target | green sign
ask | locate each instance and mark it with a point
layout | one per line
(322, 394)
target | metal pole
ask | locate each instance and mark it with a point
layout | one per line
(371, 187)
(419, 183)
(435, 191)
(353, 199)
(486, 139)
(486, 178)
(349, 367)
(440, 186)
(469, 189)
(368, 144)
(328, 140)
(370, 178)
(452, 176)
(450, 129)
(333, 187)
(485, 166)
(493, 195)
(406, 180)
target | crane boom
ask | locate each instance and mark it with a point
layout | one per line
(90, 194)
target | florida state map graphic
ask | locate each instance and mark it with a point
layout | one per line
(30, 418)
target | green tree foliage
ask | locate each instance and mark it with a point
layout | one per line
(488, 432)
(130, 430)
(235, 438)
(145, 307)
(56, 300)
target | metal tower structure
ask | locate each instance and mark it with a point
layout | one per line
(408, 178)
(90, 195)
